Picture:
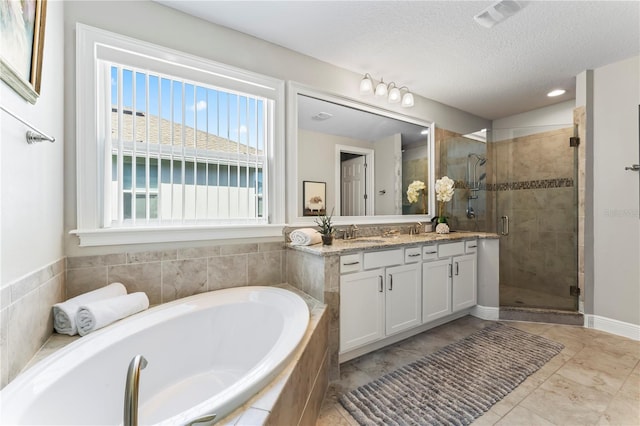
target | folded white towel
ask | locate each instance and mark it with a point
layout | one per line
(95, 315)
(64, 314)
(305, 237)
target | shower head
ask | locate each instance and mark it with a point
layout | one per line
(482, 177)
(479, 159)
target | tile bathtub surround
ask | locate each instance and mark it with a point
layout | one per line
(167, 275)
(594, 380)
(26, 320)
(296, 394)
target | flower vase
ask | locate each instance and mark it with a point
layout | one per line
(442, 228)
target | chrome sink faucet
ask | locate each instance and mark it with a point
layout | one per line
(416, 229)
(351, 232)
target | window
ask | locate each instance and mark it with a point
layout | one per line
(179, 144)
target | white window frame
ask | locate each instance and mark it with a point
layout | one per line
(93, 44)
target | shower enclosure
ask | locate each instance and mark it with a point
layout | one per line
(522, 184)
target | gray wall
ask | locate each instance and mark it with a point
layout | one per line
(152, 22)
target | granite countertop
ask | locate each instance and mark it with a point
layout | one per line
(340, 246)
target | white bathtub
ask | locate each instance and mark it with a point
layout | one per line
(207, 354)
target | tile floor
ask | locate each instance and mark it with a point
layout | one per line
(595, 380)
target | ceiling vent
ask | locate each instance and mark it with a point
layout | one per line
(497, 13)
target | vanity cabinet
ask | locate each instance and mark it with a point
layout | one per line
(463, 282)
(403, 309)
(449, 284)
(379, 302)
(361, 308)
(386, 292)
(436, 289)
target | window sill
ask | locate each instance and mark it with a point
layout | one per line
(146, 235)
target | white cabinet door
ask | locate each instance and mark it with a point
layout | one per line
(436, 289)
(361, 308)
(464, 281)
(403, 302)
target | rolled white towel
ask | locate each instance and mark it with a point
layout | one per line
(64, 314)
(95, 315)
(305, 237)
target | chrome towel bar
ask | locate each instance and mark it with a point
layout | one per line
(32, 136)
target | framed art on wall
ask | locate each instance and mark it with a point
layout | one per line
(21, 45)
(314, 195)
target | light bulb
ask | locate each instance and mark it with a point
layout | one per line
(381, 89)
(366, 85)
(407, 100)
(394, 95)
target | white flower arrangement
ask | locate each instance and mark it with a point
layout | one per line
(444, 194)
(444, 189)
(414, 190)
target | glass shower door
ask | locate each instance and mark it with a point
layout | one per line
(533, 179)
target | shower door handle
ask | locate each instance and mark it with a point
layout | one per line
(505, 225)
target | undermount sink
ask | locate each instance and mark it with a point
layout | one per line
(364, 240)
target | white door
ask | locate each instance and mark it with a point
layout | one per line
(354, 187)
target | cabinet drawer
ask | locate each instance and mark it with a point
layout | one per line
(450, 249)
(429, 252)
(412, 254)
(471, 246)
(350, 263)
(377, 259)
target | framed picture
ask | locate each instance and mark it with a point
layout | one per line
(314, 195)
(22, 42)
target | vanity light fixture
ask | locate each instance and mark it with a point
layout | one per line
(556, 92)
(366, 85)
(381, 89)
(407, 98)
(392, 92)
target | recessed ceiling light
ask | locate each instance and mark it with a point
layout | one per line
(556, 92)
(321, 116)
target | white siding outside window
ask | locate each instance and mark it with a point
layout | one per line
(181, 148)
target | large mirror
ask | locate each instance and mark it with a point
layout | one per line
(362, 159)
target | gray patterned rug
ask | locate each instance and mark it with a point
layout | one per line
(454, 385)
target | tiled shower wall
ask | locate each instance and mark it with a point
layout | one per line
(168, 275)
(454, 152)
(26, 321)
(532, 180)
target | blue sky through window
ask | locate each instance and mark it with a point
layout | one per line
(228, 115)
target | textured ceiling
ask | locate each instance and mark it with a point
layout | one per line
(438, 50)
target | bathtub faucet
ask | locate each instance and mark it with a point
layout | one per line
(131, 390)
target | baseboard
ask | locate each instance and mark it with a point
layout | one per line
(612, 326)
(485, 312)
